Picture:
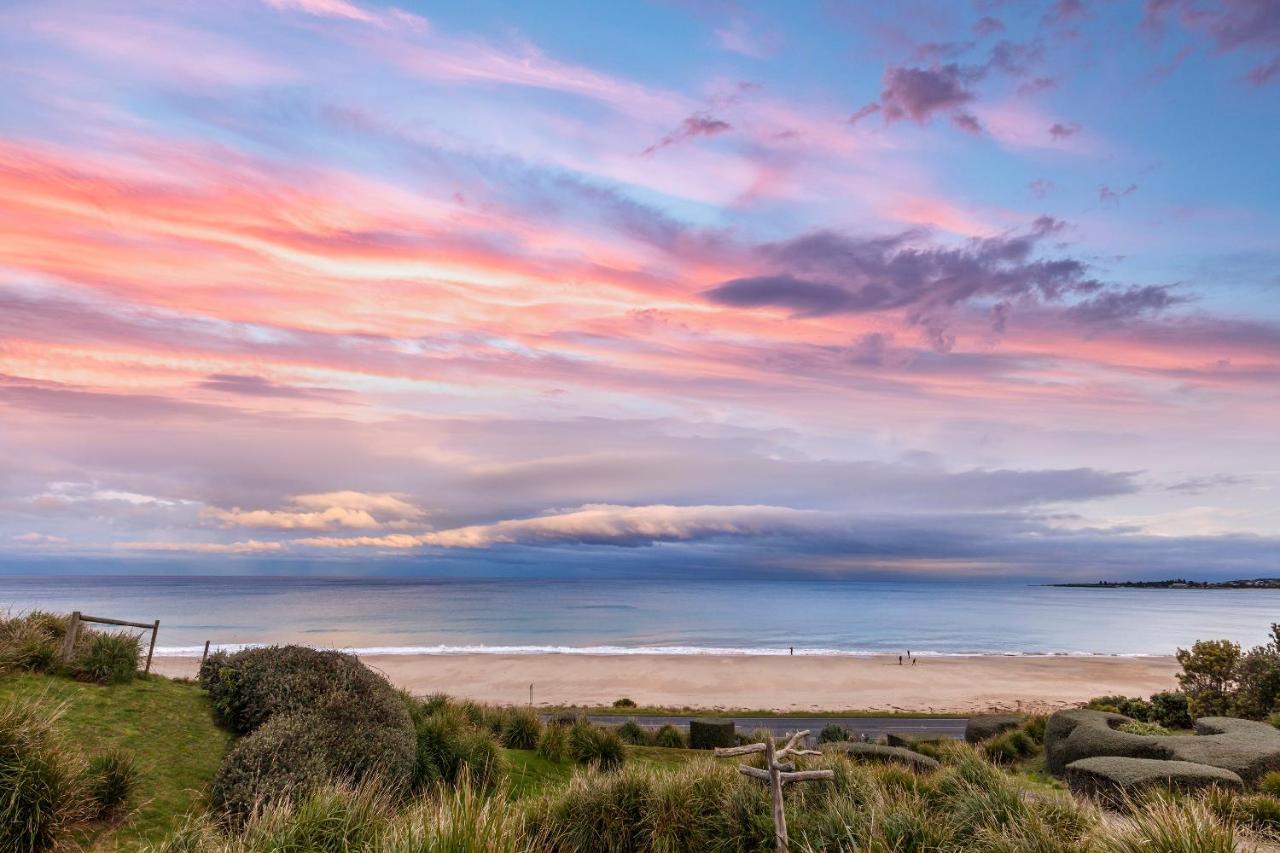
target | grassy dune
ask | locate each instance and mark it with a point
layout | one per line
(165, 724)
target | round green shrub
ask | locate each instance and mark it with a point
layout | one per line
(521, 730)
(292, 754)
(1171, 710)
(110, 782)
(833, 734)
(359, 729)
(41, 797)
(1137, 727)
(106, 658)
(669, 737)
(248, 687)
(1270, 784)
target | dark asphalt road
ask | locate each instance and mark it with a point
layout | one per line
(872, 727)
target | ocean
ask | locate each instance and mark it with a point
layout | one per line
(450, 616)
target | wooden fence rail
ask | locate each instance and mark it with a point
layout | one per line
(73, 632)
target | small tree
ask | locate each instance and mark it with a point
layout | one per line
(1258, 677)
(1209, 676)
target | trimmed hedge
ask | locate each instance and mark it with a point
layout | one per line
(911, 740)
(983, 726)
(1116, 779)
(1248, 749)
(883, 754)
(1073, 735)
(708, 734)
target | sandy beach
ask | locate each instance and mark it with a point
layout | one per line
(934, 684)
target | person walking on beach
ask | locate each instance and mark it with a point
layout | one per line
(899, 660)
(793, 650)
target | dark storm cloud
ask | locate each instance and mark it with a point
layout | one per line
(826, 273)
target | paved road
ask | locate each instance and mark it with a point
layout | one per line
(872, 727)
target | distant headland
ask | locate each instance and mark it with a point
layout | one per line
(1179, 583)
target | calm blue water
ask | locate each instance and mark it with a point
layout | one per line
(817, 617)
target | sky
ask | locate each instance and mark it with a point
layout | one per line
(909, 289)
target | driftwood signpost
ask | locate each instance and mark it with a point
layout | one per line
(777, 772)
(73, 631)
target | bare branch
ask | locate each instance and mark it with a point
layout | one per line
(791, 747)
(729, 751)
(754, 772)
(808, 775)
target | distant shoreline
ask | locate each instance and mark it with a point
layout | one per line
(1255, 583)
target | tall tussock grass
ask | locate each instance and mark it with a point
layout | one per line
(33, 643)
(365, 819)
(47, 790)
(40, 789)
(1168, 824)
(705, 806)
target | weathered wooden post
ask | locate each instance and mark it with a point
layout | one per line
(155, 629)
(205, 655)
(69, 641)
(777, 773)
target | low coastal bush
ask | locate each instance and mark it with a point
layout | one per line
(1137, 727)
(41, 797)
(1115, 779)
(833, 733)
(624, 702)
(1134, 708)
(1170, 710)
(308, 717)
(110, 782)
(1270, 784)
(249, 687)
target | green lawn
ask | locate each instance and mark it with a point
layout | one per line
(165, 724)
